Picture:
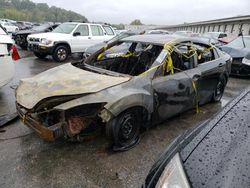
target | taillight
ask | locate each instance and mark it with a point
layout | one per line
(13, 52)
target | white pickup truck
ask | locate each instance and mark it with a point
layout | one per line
(68, 38)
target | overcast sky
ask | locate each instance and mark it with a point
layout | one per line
(161, 12)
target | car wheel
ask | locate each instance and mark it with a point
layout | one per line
(219, 90)
(61, 53)
(124, 130)
(40, 55)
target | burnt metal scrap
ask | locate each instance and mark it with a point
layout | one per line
(156, 77)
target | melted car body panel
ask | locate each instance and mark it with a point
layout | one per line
(62, 80)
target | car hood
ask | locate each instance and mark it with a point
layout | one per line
(62, 81)
(50, 35)
(5, 39)
(235, 52)
(28, 31)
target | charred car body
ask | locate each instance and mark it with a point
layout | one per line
(158, 77)
(212, 154)
(239, 50)
(20, 37)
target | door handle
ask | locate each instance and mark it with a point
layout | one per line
(89, 37)
(220, 65)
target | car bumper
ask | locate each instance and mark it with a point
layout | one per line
(41, 49)
(50, 133)
(240, 69)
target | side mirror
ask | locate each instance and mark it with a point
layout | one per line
(76, 34)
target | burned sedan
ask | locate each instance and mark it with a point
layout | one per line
(157, 77)
(212, 154)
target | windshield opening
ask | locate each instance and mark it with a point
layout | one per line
(130, 58)
(66, 28)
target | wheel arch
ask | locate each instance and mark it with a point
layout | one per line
(63, 43)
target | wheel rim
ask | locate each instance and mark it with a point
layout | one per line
(128, 128)
(61, 54)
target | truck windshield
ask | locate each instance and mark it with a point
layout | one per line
(66, 28)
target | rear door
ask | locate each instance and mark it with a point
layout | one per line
(98, 34)
(82, 41)
(211, 67)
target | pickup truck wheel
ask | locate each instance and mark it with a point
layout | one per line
(61, 53)
(40, 55)
(124, 130)
(219, 90)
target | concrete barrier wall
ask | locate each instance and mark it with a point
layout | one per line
(231, 25)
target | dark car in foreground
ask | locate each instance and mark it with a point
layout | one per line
(214, 154)
(239, 50)
(157, 77)
(20, 37)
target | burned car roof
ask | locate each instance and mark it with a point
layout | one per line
(214, 153)
(160, 39)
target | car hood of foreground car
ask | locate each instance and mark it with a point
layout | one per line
(63, 81)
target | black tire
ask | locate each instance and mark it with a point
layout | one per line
(61, 53)
(219, 90)
(124, 131)
(40, 55)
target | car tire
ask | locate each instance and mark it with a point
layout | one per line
(61, 53)
(40, 55)
(123, 131)
(219, 90)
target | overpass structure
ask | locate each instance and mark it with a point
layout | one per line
(232, 25)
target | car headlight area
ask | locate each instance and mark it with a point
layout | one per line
(246, 61)
(173, 175)
(45, 41)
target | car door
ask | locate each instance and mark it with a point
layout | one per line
(174, 93)
(98, 34)
(211, 67)
(80, 38)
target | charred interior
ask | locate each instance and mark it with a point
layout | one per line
(132, 59)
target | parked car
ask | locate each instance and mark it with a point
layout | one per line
(157, 31)
(212, 154)
(23, 25)
(184, 33)
(7, 68)
(9, 27)
(239, 49)
(7, 20)
(156, 78)
(20, 37)
(92, 49)
(215, 38)
(67, 38)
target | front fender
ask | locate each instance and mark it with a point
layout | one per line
(116, 100)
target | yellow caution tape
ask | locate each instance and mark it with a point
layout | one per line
(196, 96)
(127, 54)
(101, 54)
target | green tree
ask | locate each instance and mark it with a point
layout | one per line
(136, 22)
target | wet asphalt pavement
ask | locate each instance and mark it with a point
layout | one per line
(27, 161)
